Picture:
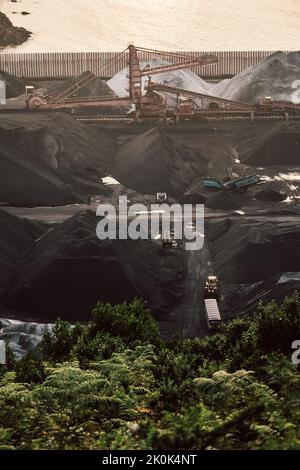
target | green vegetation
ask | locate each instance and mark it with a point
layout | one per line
(114, 384)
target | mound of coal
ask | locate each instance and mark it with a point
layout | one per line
(153, 162)
(269, 195)
(95, 87)
(248, 296)
(277, 144)
(50, 160)
(192, 198)
(16, 236)
(11, 35)
(245, 252)
(14, 86)
(271, 77)
(69, 270)
(225, 200)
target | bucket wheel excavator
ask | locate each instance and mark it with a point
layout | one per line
(152, 103)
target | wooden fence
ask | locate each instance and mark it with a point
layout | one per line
(67, 64)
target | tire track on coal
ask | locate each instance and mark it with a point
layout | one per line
(189, 316)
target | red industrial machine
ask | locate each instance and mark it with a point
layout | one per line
(150, 104)
(153, 103)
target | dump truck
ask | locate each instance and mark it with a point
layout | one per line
(212, 288)
(211, 298)
(212, 312)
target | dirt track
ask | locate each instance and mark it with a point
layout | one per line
(190, 314)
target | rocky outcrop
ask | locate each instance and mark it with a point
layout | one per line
(10, 35)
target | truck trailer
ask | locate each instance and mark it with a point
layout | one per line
(212, 312)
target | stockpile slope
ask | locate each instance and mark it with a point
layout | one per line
(153, 162)
(50, 159)
(14, 86)
(248, 296)
(272, 77)
(16, 236)
(245, 252)
(276, 145)
(95, 87)
(69, 270)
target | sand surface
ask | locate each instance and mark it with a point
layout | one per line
(92, 25)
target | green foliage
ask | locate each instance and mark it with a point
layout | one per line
(57, 345)
(73, 407)
(276, 327)
(102, 346)
(114, 384)
(133, 322)
(30, 369)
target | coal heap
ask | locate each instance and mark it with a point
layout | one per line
(16, 236)
(153, 162)
(50, 159)
(95, 87)
(248, 296)
(277, 145)
(245, 252)
(14, 86)
(69, 270)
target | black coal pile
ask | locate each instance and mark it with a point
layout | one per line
(95, 88)
(244, 298)
(226, 200)
(16, 236)
(272, 77)
(152, 162)
(69, 270)
(50, 160)
(192, 198)
(11, 35)
(247, 252)
(276, 145)
(269, 195)
(14, 86)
